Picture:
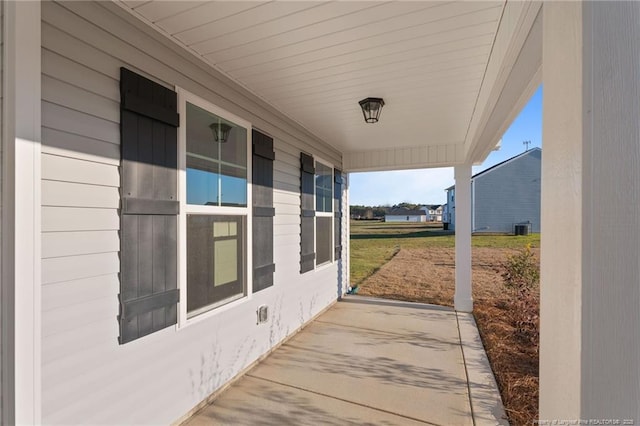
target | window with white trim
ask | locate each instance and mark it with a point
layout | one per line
(324, 213)
(214, 221)
(317, 217)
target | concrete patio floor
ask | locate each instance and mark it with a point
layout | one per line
(368, 361)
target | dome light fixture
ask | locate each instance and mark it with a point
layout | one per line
(371, 108)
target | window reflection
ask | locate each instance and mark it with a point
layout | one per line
(215, 261)
(216, 170)
(324, 186)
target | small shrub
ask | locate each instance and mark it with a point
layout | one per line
(522, 278)
(522, 270)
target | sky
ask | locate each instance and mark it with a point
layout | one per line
(426, 186)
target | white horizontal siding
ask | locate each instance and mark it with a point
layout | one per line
(65, 144)
(59, 295)
(64, 219)
(91, 340)
(68, 268)
(287, 239)
(83, 365)
(60, 244)
(65, 169)
(286, 220)
(79, 123)
(281, 230)
(286, 197)
(288, 209)
(79, 99)
(279, 184)
(76, 74)
(65, 194)
(67, 317)
(289, 170)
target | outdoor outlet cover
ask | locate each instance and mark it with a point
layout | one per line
(263, 314)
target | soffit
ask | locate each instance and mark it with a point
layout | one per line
(314, 61)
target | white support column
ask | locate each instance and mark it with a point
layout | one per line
(561, 217)
(21, 217)
(590, 290)
(346, 237)
(463, 301)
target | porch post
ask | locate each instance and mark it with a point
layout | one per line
(21, 217)
(561, 243)
(590, 321)
(346, 236)
(463, 300)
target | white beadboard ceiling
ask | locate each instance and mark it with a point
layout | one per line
(314, 61)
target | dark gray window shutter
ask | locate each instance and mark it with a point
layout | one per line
(263, 211)
(307, 213)
(337, 209)
(149, 210)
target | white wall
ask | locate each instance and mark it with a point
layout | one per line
(611, 256)
(590, 290)
(87, 377)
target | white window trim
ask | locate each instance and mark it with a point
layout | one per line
(330, 214)
(21, 384)
(185, 96)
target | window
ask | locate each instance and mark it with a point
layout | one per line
(192, 193)
(214, 214)
(216, 170)
(317, 231)
(324, 213)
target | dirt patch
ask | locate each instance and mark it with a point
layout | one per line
(418, 275)
(427, 275)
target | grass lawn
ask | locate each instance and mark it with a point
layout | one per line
(374, 243)
(415, 262)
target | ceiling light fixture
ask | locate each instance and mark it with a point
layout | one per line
(220, 131)
(371, 108)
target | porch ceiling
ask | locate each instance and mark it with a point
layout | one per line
(314, 61)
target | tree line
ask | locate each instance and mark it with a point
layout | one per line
(371, 212)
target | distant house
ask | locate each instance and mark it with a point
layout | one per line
(406, 215)
(503, 196)
(445, 213)
(448, 213)
(364, 215)
(434, 212)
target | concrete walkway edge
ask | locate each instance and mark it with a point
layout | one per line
(486, 404)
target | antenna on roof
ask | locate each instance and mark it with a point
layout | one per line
(526, 144)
